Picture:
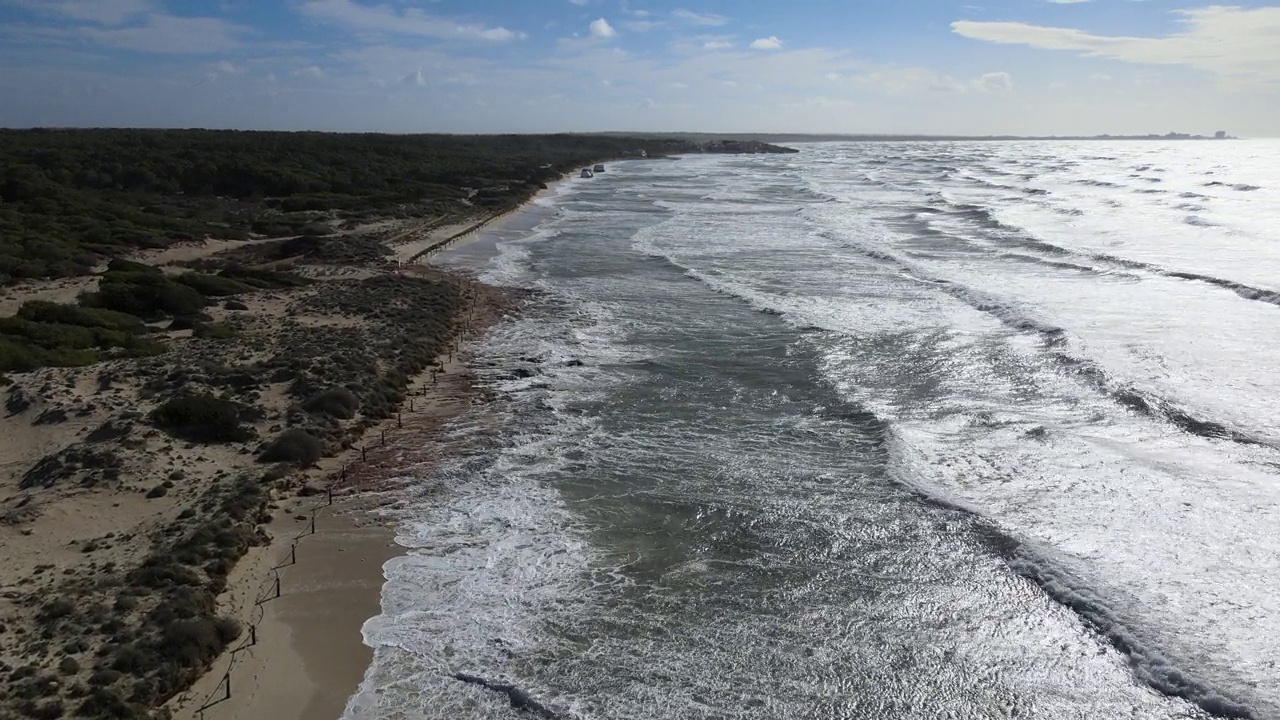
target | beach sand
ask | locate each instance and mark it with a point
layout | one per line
(302, 654)
(309, 656)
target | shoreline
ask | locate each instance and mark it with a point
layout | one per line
(342, 322)
(460, 234)
(309, 641)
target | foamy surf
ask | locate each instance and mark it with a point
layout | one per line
(899, 431)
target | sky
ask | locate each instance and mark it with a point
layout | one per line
(820, 66)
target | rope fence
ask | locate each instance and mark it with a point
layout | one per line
(271, 587)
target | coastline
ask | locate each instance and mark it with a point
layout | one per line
(421, 250)
(310, 657)
(349, 312)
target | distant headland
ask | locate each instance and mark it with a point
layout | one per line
(734, 138)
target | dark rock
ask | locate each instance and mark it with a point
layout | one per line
(17, 401)
(52, 416)
(520, 699)
(110, 430)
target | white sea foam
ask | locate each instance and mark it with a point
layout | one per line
(996, 324)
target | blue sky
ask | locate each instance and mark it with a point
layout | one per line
(913, 66)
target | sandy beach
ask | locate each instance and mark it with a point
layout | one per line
(309, 656)
(298, 655)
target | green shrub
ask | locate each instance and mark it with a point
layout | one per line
(192, 642)
(47, 710)
(338, 403)
(215, 331)
(295, 446)
(128, 659)
(56, 610)
(316, 229)
(147, 300)
(50, 336)
(263, 279)
(20, 357)
(48, 312)
(203, 418)
(120, 265)
(106, 703)
(213, 285)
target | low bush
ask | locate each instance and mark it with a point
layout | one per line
(41, 311)
(145, 299)
(294, 446)
(120, 265)
(106, 703)
(56, 610)
(338, 403)
(316, 229)
(214, 331)
(213, 285)
(203, 418)
(263, 279)
(47, 710)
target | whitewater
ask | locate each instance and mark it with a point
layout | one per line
(875, 430)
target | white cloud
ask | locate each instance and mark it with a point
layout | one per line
(105, 12)
(700, 18)
(311, 71)
(415, 78)
(717, 45)
(171, 35)
(579, 2)
(993, 82)
(216, 71)
(769, 43)
(602, 29)
(387, 20)
(1067, 2)
(1243, 44)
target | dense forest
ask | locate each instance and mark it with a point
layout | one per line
(71, 198)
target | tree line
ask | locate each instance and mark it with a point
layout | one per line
(70, 198)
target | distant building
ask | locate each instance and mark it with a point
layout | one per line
(1221, 135)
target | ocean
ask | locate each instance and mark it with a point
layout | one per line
(897, 430)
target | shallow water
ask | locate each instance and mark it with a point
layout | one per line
(876, 430)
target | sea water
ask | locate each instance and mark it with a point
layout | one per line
(899, 430)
